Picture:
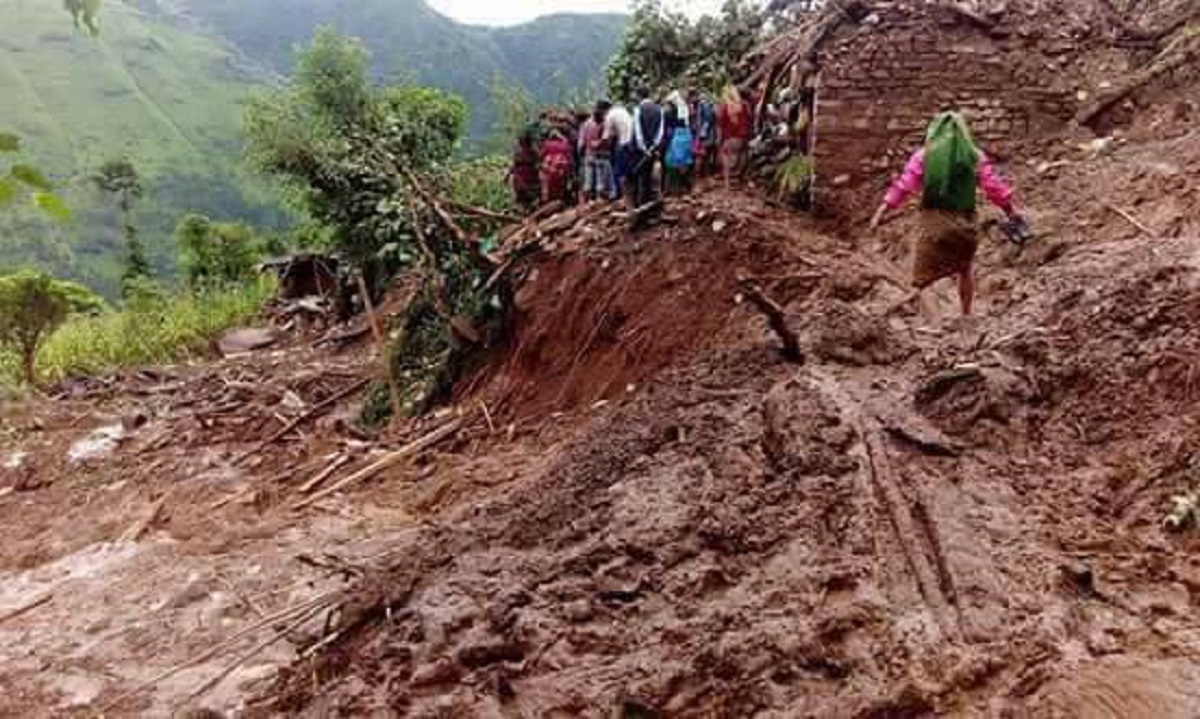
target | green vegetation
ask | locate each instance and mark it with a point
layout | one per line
(216, 254)
(21, 178)
(119, 180)
(151, 329)
(370, 163)
(32, 306)
(665, 50)
(341, 144)
(167, 99)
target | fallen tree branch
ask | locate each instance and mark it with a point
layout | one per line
(250, 654)
(314, 411)
(138, 528)
(324, 474)
(1166, 64)
(306, 609)
(1125, 214)
(775, 318)
(26, 607)
(389, 460)
(483, 212)
(380, 345)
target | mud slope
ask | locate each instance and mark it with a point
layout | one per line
(961, 521)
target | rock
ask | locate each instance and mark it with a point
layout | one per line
(719, 226)
(1099, 147)
(579, 612)
(247, 339)
(841, 180)
(100, 443)
(443, 671)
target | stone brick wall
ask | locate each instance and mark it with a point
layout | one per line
(882, 82)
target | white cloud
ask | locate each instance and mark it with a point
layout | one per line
(511, 12)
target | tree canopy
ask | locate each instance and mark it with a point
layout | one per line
(664, 49)
(215, 253)
(343, 144)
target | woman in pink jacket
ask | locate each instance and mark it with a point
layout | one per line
(947, 171)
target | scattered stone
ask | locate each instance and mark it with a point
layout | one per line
(100, 443)
(247, 339)
(841, 180)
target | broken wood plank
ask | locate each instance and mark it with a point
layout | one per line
(325, 474)
(389, 460)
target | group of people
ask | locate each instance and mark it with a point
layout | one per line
(635, 153)
(639, 152)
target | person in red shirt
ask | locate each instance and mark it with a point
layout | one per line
(558, 162)
(735, 122)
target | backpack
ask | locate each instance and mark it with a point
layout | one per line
(681, 153)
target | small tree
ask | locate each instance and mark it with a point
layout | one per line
(215, 252)
(32, 306)
(119, 180)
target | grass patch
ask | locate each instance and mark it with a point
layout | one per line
(172, 329)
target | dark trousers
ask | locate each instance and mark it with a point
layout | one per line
(640, 181)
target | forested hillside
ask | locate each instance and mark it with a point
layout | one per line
(168, 100)
(164, 85)
(408, 37)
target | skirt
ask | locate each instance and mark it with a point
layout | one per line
(947, 246)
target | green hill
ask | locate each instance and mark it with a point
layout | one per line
(169, 100)
(164, 85)
(546, 56)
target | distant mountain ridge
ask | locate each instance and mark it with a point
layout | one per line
(547, 56)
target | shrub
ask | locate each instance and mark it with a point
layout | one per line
(153, 328)
(32, 306)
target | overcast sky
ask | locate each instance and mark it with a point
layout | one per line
(511, 12)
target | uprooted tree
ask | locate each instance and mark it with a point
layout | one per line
(372, 164)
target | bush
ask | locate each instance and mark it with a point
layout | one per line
(152, 329)
(32, 306)
(215, 253)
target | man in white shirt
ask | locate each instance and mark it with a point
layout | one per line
(618, 130)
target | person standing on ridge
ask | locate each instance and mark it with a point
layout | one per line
(680, 151)
(735, 122)
(523, 173)
(618, 133)
(704, 122)
(557, 165)
(597, 157)
(948, 170)
(649, 132)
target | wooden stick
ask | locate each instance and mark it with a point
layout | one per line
(317, 408)
(308, 608)
(776, 319)
(137, 529)
(250, 654)
(1131, 220)
(325, 474)
(389, 460)
(380, 345)
(26, 607)
(484, 212)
